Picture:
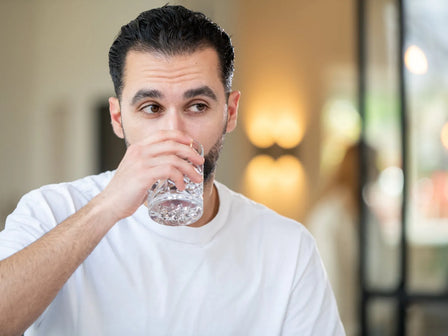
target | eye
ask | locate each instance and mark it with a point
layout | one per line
(151, 109)
(198, 107)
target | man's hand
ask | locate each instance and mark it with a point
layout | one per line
(163, 155)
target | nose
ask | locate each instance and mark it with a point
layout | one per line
(173, 120)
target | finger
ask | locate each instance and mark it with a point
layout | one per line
(141, 160)
(170, 147)
(185, 168)
(165, 173)
(166, 135)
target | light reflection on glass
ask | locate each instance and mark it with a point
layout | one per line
(391, 181)
(415, 60)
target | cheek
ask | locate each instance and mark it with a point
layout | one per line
(209, 138)
(135, 130)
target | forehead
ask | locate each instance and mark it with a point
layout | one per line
(144, 69)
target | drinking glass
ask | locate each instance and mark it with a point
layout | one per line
(169, 206)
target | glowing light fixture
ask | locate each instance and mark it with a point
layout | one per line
(266, 128)
(278, 184)
(260, 175)
(269, 123)
(287, 131)
(259, 130)
(289, 172)
(276, 118)
(415, 60)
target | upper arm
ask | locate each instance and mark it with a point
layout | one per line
(312, 307)
(31, 219)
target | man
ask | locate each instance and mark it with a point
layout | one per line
(83, 258)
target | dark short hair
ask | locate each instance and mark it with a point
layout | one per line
(171, 30)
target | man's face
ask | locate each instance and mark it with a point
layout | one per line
(182, 92)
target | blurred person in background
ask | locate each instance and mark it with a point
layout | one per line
(84, 258)
(334, 222)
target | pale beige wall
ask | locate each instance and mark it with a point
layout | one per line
(17, 24)
(54, 71)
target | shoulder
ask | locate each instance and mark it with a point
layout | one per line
(40, 210)
(256, 217)
(87, 186)
(62, 199)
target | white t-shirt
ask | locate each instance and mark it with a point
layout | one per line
(249, 271)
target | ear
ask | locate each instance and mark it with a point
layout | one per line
(115, 116)
(232, 110)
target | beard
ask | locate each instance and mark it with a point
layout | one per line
(211, 158)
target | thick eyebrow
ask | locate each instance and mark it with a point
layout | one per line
(141, 94)
(201, 91)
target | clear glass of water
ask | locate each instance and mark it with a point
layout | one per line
(169, 206)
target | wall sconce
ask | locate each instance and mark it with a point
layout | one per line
(275, 177)
(268, 127)
(276, 183)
